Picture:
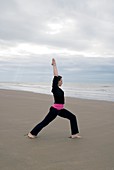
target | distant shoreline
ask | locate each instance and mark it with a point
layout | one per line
(67, 97)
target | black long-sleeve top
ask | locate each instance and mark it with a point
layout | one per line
(58, 93)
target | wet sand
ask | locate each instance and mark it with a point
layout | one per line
(52, 149)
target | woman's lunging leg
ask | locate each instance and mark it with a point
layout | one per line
(49, 117)
(73, 121)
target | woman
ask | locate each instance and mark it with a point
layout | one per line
(57, 109)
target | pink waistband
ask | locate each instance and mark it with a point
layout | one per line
(58, 106)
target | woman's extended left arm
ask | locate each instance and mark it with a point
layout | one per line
(55, 71)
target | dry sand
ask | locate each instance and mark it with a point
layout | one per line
(53, 150)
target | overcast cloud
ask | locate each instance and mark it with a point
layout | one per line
(37, 30)
(76, 25)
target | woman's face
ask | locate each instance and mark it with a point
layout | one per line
(60, 82)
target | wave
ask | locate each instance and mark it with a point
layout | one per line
(85, 91)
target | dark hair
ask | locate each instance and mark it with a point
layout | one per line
(59, 78)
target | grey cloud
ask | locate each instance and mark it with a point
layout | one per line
(27, 21)
(73, 69)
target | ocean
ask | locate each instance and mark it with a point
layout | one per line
(83, 77)
(92, 91)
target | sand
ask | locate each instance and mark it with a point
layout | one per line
(52, 149)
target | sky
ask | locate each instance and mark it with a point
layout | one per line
(79, 34)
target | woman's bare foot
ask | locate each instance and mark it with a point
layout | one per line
(31, 136)
(75, 136)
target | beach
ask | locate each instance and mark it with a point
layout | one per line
(53, 149)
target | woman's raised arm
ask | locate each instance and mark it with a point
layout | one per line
(55, 71)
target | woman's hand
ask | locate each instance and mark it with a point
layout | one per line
(55, 71)
(53, 62)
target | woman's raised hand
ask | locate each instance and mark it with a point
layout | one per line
(53, 62)
(55, 71)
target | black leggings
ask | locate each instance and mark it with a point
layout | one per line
(52, 115)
